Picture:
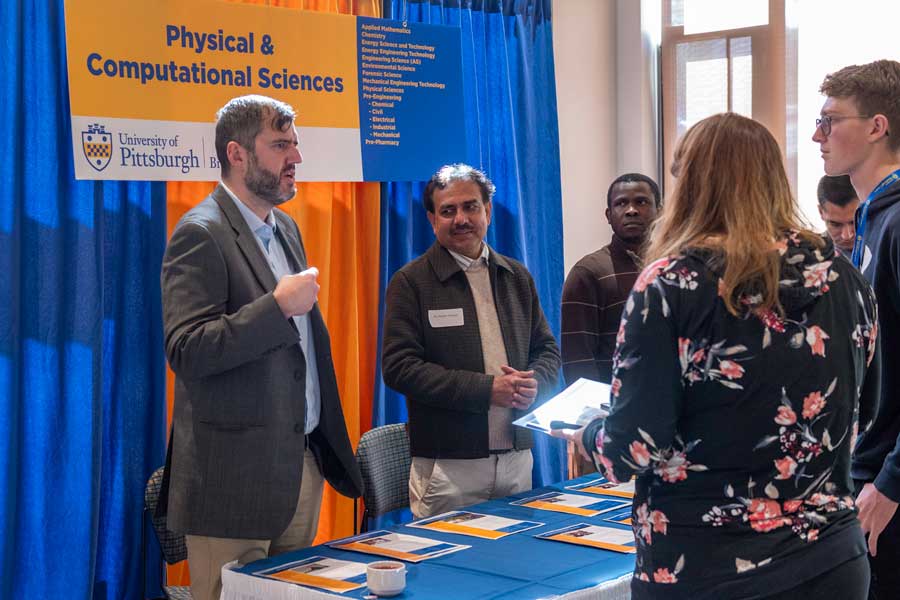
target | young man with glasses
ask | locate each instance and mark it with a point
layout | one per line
(859, 135)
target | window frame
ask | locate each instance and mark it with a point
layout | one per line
(768, 95)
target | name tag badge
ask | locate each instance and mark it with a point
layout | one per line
(448, 317)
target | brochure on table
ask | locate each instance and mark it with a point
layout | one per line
(595, 536)
(475, 524)
(410, 548)
(320, 572)
(622, 516)
(578, 404)
(605, 487)
(573, 504)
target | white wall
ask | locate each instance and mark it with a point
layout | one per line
(584, 42)
(606, 108)
(636, 93)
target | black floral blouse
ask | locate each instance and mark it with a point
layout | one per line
(739, 430)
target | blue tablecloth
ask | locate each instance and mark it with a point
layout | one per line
(517, 566)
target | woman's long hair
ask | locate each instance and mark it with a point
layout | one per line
(731, 196)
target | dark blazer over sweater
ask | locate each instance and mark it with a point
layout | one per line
(236, 453)
(441, 369)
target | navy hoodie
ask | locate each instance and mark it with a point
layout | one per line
(877, 454)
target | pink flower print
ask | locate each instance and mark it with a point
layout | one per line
(818, 500)
(751, 299)
(650, 274)
(616, 386)
(786, 416)
(608, 468)
(815, 337)
(813, 405)
(812, 535)
(684, 348)
(659, 521)
(871, 349)
(816, 275)
(674, 469)
(684, 277)
(763, 508)
(731, 369)
(639, 453)
(643, 577)
(620, 336)
(662, 575)
(699, 356)
(786, 467)
(643, 521)
(765, 515)
(694, 377)
(604, 460)
(792, 506)
(771, 320)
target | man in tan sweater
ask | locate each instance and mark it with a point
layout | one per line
(466, 341)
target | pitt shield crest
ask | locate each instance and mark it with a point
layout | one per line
(97, 145)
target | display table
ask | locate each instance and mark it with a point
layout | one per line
(518, 566)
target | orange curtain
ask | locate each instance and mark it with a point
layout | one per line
(340, 224)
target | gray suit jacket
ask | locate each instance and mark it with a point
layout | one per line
(236, 454)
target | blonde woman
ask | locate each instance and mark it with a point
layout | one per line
(743, 352)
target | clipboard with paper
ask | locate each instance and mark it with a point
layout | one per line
(578, 404)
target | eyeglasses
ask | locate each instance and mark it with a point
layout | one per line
(824, 123)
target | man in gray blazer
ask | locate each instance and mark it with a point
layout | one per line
(258, 420)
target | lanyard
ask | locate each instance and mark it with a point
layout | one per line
(863, 213)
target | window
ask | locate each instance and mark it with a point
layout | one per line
(716, 60)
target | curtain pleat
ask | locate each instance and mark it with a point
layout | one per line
(81, 364)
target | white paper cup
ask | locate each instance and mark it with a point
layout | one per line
(386, 577)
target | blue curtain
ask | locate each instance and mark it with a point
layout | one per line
(512, 134)
(82, 411)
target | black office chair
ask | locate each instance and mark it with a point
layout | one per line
(172, 544)
(383, 456)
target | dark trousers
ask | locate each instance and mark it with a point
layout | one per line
(848, 581)
(885, 565)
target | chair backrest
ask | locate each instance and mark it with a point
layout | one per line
(172, 544)
(383, 456)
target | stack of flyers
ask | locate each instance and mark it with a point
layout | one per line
(410, 548)
(622, 517)
(595, 536)
(605, 487)
(475, 524)
(575, 504)
(579, 404)
(320, 572)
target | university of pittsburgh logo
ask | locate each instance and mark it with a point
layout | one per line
(97, 145)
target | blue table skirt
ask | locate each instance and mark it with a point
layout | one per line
(516, 566)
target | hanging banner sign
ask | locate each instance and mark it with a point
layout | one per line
(376, 100)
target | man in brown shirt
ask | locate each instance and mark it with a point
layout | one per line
(598, 285)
